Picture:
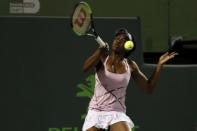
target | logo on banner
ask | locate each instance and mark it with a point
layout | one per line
(86, 90)
(24, 6)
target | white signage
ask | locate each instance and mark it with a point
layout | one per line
(24, 7)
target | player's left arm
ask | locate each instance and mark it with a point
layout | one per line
(141, 79)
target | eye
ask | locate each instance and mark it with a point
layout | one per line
(120, 39)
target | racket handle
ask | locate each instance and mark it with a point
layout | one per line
(100, 41)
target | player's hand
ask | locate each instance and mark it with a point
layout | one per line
(106, 46)
(166, 57)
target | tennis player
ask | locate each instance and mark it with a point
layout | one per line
(113, 71)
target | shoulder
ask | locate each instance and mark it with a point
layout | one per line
(101, 62)
(133, 65)
(104, 57)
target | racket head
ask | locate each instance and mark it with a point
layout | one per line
(81, 18)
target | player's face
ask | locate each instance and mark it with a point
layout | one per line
(118, 43)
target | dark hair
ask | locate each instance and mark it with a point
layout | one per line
(121, 31)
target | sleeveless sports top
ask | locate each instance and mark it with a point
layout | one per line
(110, 89)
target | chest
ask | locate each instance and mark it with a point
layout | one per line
(113, 80)
(118, 68)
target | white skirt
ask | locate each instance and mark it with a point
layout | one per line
(103, 119)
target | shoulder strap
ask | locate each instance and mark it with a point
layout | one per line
(105, 60)
(128, 66)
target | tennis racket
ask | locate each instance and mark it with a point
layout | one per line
(82, 22)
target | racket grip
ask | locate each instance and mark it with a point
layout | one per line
(100, 41)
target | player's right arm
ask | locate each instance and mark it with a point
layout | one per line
(95, 59)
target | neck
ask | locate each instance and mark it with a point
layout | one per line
(116, 58)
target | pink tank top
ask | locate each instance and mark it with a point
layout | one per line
(110, 90)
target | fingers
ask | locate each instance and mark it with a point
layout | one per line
(164, 56)
(173, 54)
(167, 56)
(107, 46)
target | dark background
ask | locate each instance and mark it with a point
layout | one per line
(160, 19)
(41, 65)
